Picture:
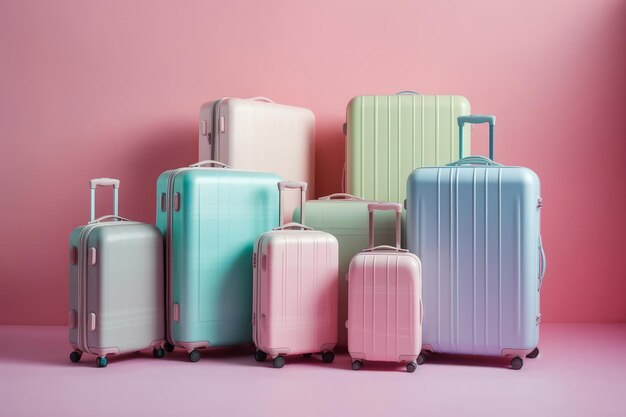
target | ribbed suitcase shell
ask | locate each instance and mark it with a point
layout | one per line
(256, 135)
(476, 231)
(385, 311)
(347, 220)
(121, 295)
(295, 287)
(210, 229)
(390, 136)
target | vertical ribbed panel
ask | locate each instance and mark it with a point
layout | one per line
(379, 133)
(476, 231)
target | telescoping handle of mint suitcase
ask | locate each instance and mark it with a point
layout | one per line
(103, 182)
(282, 185)
(476, 119)
(371, 208)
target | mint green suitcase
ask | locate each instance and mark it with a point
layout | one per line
(347, 218)
(210, 218)
(387, 137)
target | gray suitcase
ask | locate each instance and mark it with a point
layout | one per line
(115, 285)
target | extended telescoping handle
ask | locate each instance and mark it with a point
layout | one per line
(372, 207)
(282, 185)
(476, 119)
(103, 182)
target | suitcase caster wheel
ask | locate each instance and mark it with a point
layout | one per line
(307, 355)
(158, 352)
(101, 361)
(533, 354)
(517, 363)
(195, 355)
(411, 367)
(260, 356)
(75, 356)
(356, 365)
(328, 356)
(421, 358)
(169, 347)
(278, 362)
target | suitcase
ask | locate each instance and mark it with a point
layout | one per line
(295, 290)
(115, 285)
(385, 301)
(256, 134)
(475, 226)
(210, 218)
(387, 137)
(346, 217)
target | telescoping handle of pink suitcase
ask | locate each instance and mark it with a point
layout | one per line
(476, 119)
(282, 186)
(104, 182)
(371, 208)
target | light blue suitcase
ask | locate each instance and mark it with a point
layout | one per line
(210, 218)
(475, 226)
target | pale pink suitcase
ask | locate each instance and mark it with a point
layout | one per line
(295, 289)
(385, 301)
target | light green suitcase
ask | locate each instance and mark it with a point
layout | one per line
(347, 218)
(387, 137)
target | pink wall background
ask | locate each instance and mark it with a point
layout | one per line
(91, 89)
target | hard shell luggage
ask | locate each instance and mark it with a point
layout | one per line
(210, 218)
(295, 290)
(385, 301)
(259, 135)
(115, 285)
(475, 226)
(387, 137)
(346, 217)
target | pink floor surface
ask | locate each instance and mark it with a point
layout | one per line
(581, 372)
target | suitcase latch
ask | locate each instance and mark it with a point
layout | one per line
(254, 260)
(539, 203)
(538, 319)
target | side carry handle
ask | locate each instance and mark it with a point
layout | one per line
(103, 182)
(282, 185)
(476, 119)
(372, 207)
(544, 262)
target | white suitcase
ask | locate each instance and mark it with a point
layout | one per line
(259, 135)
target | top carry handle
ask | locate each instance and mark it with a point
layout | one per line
(371, 208)
(341, 196)
(209, 162)
(282, 185)
(476, 119)
(103, 182)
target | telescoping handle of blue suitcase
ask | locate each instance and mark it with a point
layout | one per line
(476, 119)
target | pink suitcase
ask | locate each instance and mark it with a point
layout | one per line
(295, 289)
(385, 301)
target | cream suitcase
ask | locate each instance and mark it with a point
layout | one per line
(259, 135)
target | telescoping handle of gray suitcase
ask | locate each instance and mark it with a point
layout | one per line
(476, 119)
(103, 182)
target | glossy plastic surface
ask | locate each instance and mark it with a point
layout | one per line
(209, 245)
(476, 231)
(390, 136)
